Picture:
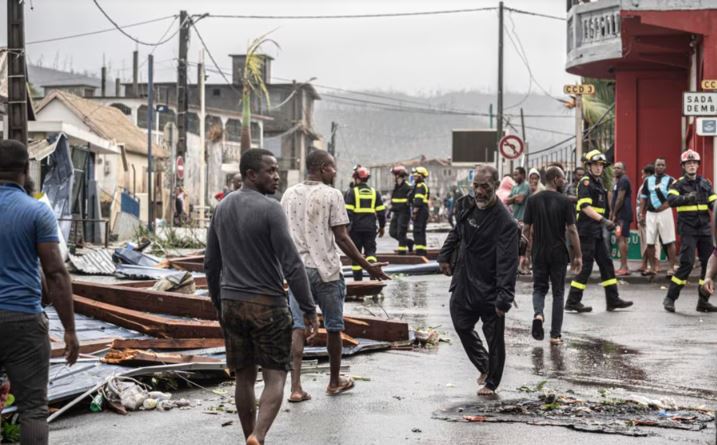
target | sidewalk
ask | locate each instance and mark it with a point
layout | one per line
(635, 277)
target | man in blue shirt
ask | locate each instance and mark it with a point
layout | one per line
(29, 232)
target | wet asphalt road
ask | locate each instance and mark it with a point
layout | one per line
(643, 350)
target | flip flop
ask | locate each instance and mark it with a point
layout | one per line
(345, 386)
(537, 330)
(303, 397)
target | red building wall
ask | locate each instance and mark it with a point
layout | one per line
(648, 119)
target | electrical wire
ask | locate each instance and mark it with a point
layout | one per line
(100, 31)
(211, 57)
(352, 16)
(536, 14)
(119, 28)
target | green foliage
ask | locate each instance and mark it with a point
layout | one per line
(537, 388)
(10, 432)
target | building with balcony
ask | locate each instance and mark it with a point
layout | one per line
(655, 50)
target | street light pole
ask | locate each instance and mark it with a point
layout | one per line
(150, 124)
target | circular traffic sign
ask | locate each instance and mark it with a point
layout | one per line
(511, 146)
(180, 167)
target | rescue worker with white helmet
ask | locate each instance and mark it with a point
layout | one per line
(592, 208)
(400, 210)
(693, 197)
(419, 202)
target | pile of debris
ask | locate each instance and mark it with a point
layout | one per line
(608, 415)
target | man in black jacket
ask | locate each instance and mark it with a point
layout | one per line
(481, 253)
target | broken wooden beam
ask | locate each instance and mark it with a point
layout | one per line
(142, 299)
(322, 336)
(134, 357)
(151, 324)
(375, 328)
(167, 343)
(86, 347)
(431, 254)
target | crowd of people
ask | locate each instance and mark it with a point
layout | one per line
(270, 263)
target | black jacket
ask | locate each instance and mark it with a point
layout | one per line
(486, 265)
(400, 198)
(365, 207)
(591, 192)
(693, 200)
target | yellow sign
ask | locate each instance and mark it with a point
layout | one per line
(578, 90)
(709, 84)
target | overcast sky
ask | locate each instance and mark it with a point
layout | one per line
(410, 54)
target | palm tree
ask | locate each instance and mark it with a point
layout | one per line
(253, 83)
(599, 115)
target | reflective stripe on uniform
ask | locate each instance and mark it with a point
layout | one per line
(587, 201)
(678, 282)
(673, 192)
(381, 207)
(578, 285)
(364, 193)
(399, 200)
(371, 259)
(599, 210)
(355, 268)
(610, 282)
(712, 198)
(701, 282)
(693, 208)
(419, 247)
(402, 249)
(349, 207)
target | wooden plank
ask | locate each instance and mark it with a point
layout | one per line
(322, 336)
(150, 324)
(133, 357)
(86, 347)
(375, 328)
(167, 343)
(363, 288)
(142, 299)
(392, 258)
(188, 266)
(431, 254)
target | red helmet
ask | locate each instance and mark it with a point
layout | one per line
(362, 173)
(689, 155)
(399, 170)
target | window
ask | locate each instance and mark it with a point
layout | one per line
(123, 108)
(216, 92)
(233, 130)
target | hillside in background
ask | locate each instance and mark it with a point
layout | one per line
(385, 127)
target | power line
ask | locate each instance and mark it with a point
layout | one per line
(119, 28)
(211, 57)
(352, 16)
(100, 31)
(536, 14)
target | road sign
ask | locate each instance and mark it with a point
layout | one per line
(699, 104)
(585, 89)
(709, 84)
(511, 146)
(706, 126)
(180, 167)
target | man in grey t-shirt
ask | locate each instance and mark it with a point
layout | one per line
(249, 253)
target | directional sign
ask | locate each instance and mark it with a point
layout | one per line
(706, 126)
(699, 104)
(180, 167)
(577, 90)
(709, 84)
(511, 146)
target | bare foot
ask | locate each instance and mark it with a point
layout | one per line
(252, 440)
(556, 341)
(481, 378)
(485, 391)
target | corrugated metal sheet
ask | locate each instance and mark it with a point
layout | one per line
(94, 262)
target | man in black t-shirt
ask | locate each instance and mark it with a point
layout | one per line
(621, 214)
(547, 216)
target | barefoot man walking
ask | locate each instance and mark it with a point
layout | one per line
(481, 253)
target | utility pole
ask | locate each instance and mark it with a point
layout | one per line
(499, 119)
(150, 118)
(17, 79)
(103, 88)
(135, 73)
(578, 129)
(202, 137)
(490, 116)
(526, 156)
(332, 143)
(182, 94)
